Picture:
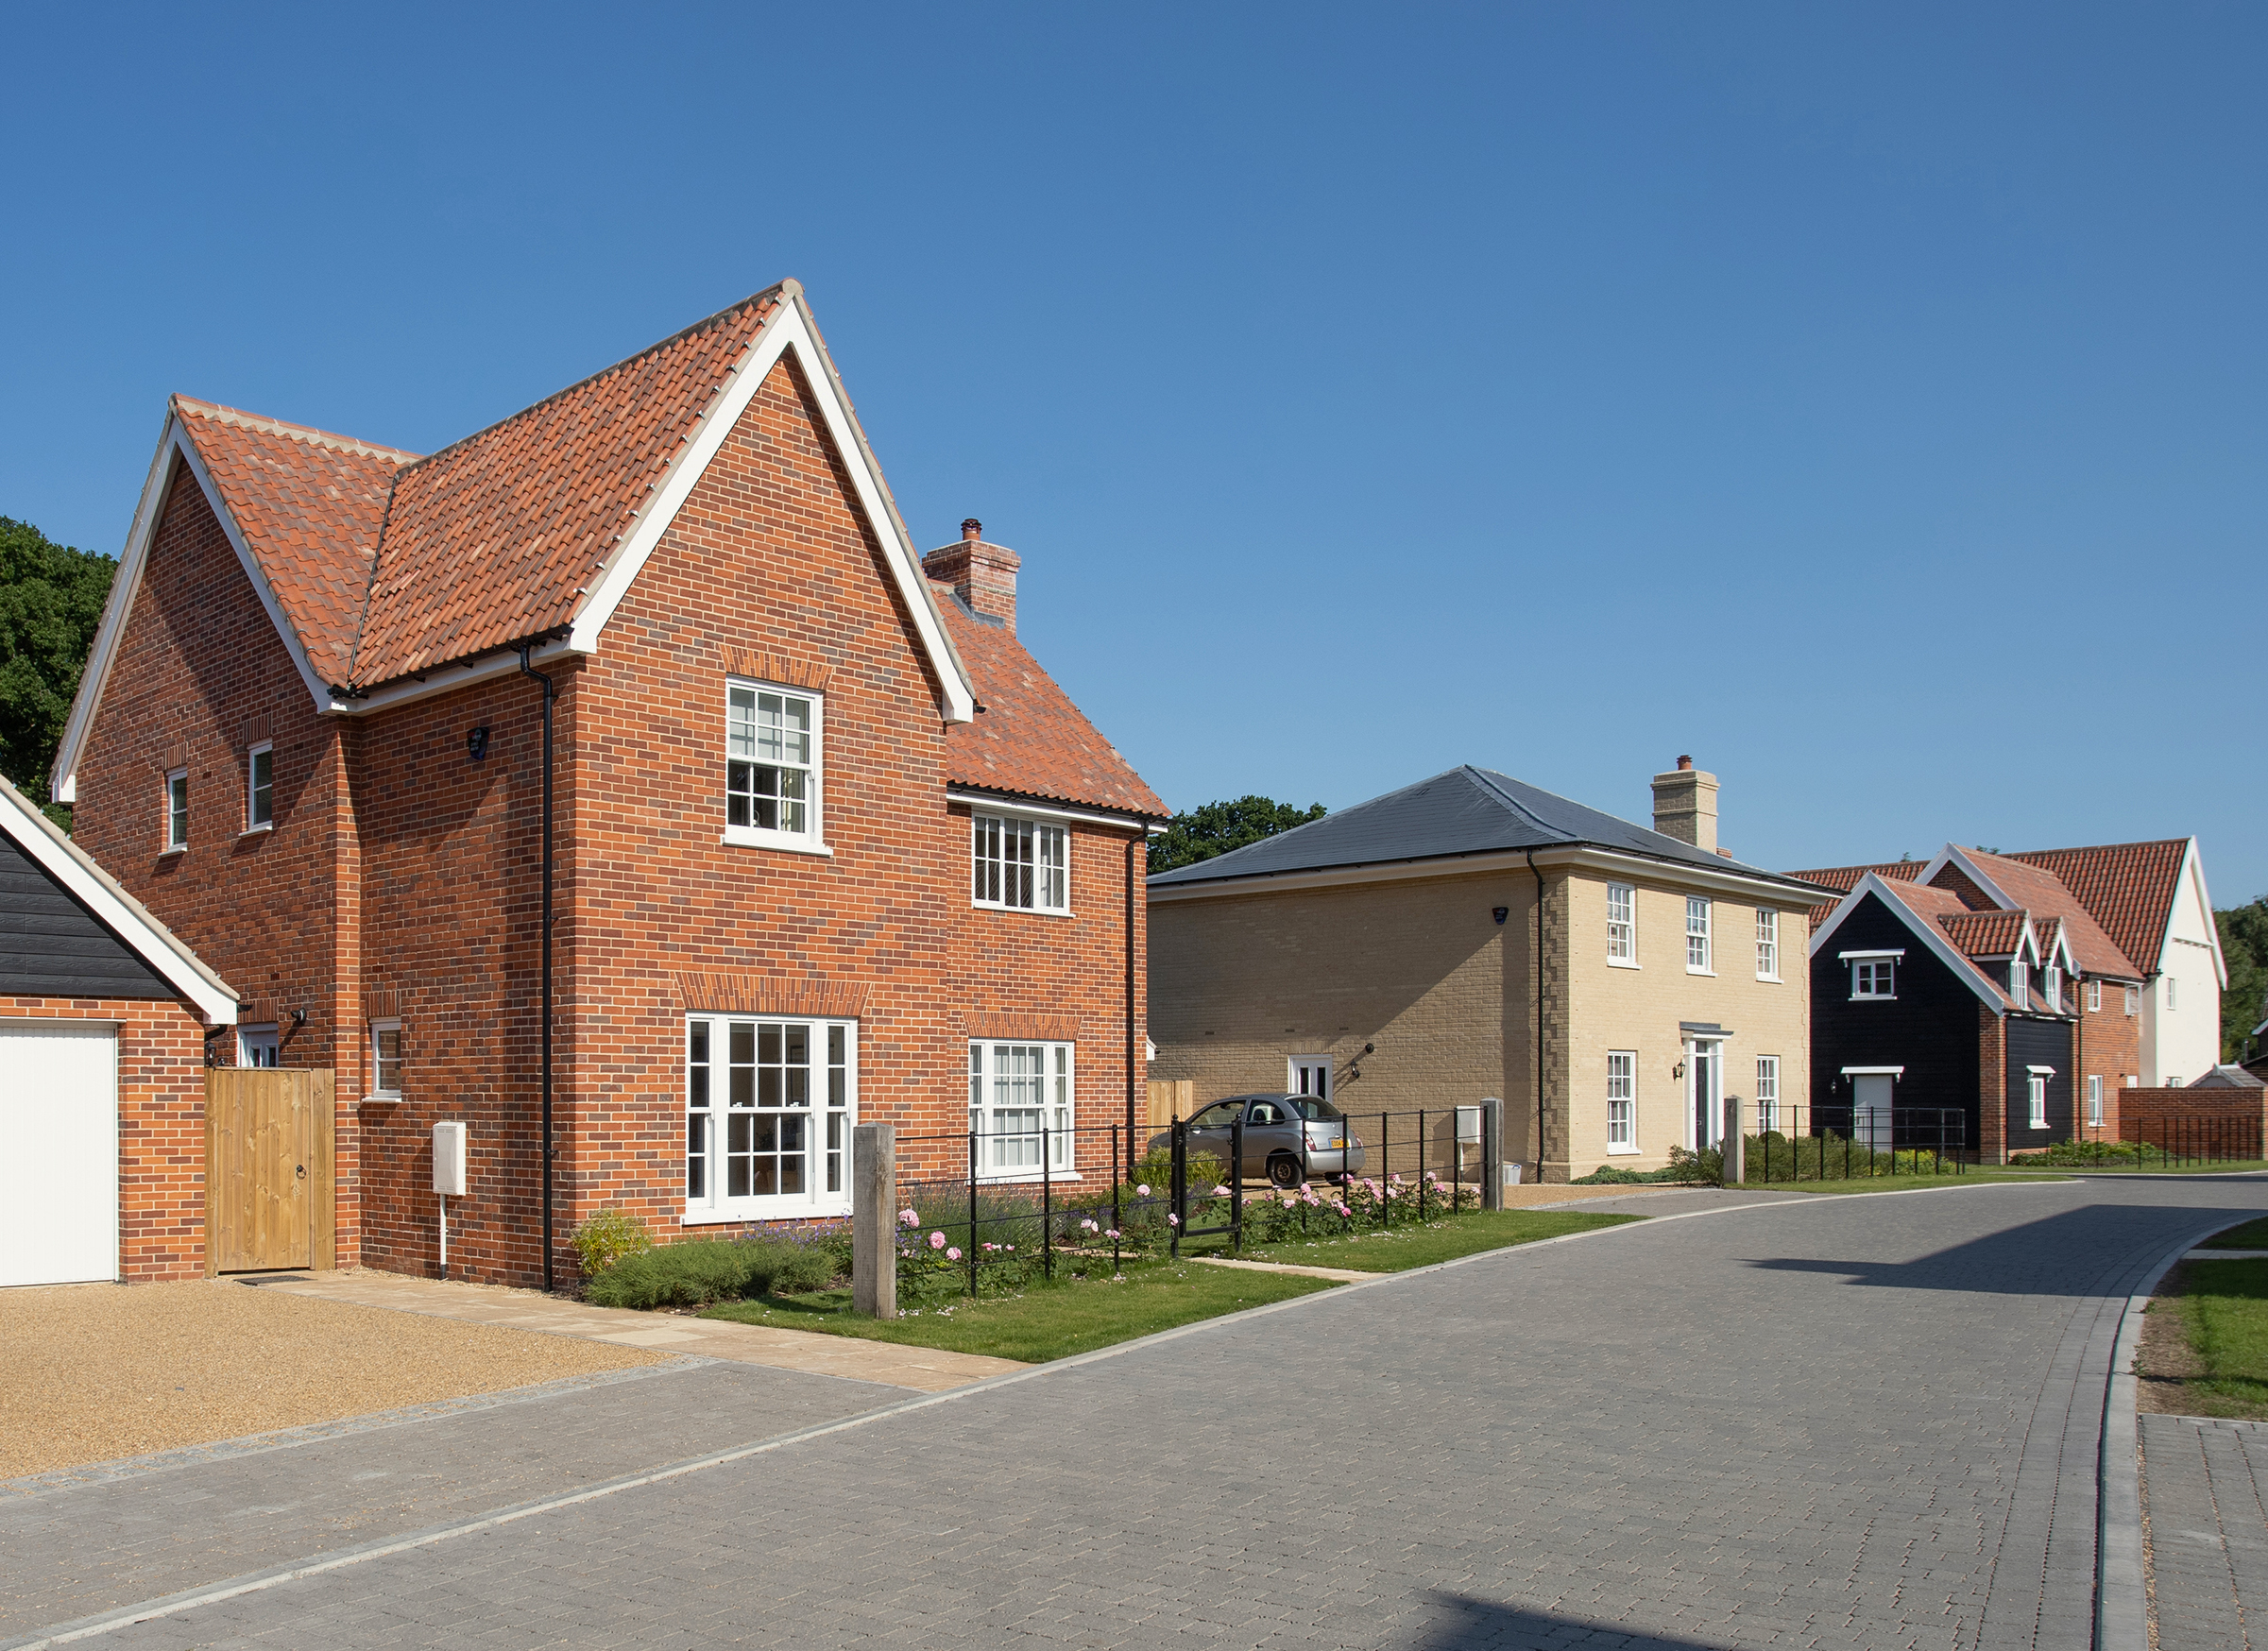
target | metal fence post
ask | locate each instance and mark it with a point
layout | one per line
(874, 1219)
(1237, 1185)
(972, 1211)
(1492, 1153)
(1116, 1222)
(1177, 1194)
(1047, 1200)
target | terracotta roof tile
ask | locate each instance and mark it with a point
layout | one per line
(1985, 934)
(497, 537)
(1943, 907)
(1029, 738)
(2127, 888)
(2042, 891)
(312, 505)
(1846, 879)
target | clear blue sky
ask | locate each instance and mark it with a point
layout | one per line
(1869, 401)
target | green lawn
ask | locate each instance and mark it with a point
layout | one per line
(1394, 1248)
(1905, 1183)
(2251, 1235)
(2227, 1166)
(1044, 1321)
(2224, 1307)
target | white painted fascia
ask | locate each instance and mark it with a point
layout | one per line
(1951, 855)
(1010, 804)
(789, 329)
(1607, 862)
(1930, 934)
(173, 443)
(118, 911)
(2192, 880)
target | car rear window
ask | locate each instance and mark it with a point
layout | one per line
(1316, 1110)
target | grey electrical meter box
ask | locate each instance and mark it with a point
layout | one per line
(449, 1160)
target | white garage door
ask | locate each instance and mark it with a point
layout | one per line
(59, 1152)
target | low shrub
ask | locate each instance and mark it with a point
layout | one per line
(712, 1269)
(605, 1238)
(2080, 1154)
(1614, 1175)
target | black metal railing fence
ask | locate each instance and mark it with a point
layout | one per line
(1847, 1143)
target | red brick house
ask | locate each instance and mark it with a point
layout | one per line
(826, 843)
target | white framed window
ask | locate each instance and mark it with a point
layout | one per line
(258, 1046)
(1768, 944)
(2019, 983)
(1767, 1093)
(772, 767)
(1021, 865)
(2168, 991)
(177, 809)
(1022, 1102)
(2094, 1101)
(1622, 1100)
(2171, 1082)
(386, 1060)
(1873, 978)
(1308, 1075)
(260, 787)
(1697, 935)
(2055, 987)
(2133, 1000)
(1622, 925)
(2036, 1092)
(769, 1105)
(2094, 996)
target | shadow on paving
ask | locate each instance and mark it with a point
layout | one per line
(2058, 1255)
(1460, 1622)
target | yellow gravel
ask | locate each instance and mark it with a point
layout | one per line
(89, 1372)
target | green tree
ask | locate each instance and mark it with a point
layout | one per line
(2244, 945)
(1216, 827)
(51, 599)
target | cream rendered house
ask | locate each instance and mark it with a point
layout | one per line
(1471, 936)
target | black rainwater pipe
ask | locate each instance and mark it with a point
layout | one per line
(1130, 1004)
(1536, 965)
(550, 692)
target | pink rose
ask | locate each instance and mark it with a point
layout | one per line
(954, 1255)
(911, 1217)
(937, 1241)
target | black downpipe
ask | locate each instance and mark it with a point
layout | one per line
(1130, 845)
(550, 692)
(1536, 966)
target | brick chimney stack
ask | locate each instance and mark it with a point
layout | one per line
(1685, 806)
(982, 576)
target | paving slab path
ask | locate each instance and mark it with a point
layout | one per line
(2202, 1484)
(1751, 1421)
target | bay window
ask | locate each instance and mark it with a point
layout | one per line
(769, 1106)
(1021, 1104)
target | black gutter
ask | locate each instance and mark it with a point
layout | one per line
(550, 692)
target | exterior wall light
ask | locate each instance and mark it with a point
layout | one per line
(476, 744)
(1502, 912)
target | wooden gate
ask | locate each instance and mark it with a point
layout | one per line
(269, 1138)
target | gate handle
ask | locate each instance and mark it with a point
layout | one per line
(302, 1172)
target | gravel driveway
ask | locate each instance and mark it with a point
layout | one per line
(92, 1372)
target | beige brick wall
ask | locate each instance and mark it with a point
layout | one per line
(1640, 1009)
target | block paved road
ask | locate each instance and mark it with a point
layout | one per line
(1868, 1421)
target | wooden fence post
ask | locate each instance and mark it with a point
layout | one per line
(874, 1219)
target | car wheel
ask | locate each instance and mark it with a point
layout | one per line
(1284, 1171)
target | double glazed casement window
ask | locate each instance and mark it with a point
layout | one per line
(2054, 992)
(1874, 977)
(1767, 1093)
(1622, 1100)
(2168, 991)
(177, 809)
(385, 1058)
(260, 788)
(769, 1106)
(1021, 1105)
(772, 739)
(2094, 1101)
(1020, 864)
(1622, 924)
(1696, 934)
(2035, 1092)
(2094, 996)
(1768, 944)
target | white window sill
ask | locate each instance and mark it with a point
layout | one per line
(383, 1097)
(1022, 1177)
(1622, 963)
(1020, 911)
(788, 841)
(173, 848)
(779, 1209)
(259, 830)
(1622, 1152)
(1771, 980)
(1874, 997)
(1691, 970)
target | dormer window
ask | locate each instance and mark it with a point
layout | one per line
(2054, 988)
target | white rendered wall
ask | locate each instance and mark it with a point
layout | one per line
(2184, 1042)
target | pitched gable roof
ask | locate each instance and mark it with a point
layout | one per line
(1843, 878)
(2128, 888)
(1465, 811)
(1986, 934)
(1926, 912)
(2041, 890)
(1030, 739)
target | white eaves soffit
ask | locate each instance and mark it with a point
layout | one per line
(1922, 927)
(790, 329)
(1606, 862)
(174, 449)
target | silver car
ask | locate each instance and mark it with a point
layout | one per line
(1287, 1137)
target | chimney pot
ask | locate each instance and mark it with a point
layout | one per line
(971, 529)
(1684, 763)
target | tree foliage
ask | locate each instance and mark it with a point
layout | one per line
(51, 599)
(2244, 945)
(1200, 833)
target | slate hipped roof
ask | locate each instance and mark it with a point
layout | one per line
(1465, 811)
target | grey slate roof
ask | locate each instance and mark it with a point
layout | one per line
(1467, 810)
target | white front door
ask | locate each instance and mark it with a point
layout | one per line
(1310, 1075)
(59, 1152)
(1871, 1097)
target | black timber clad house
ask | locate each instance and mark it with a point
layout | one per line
(1950, 1029)
(52, 946)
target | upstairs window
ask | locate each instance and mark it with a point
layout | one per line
(1622, 924)
(1873, 978)
(1768, 944)
(2054, 988)
(1020, 864)
(2168, 991)
(2133, 1000)
(771, 766)
(260, 788)
(1696, 934)
(177, 809)
(2094, 996)
(2019, 983)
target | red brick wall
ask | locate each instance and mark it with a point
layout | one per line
(2109, 1046)
(160, 1129)
(200, 674)
(1992, 1087)
(2184, 1120)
